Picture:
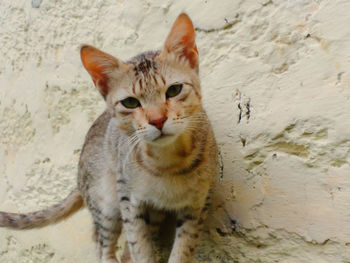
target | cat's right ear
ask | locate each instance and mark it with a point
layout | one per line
(100, 66)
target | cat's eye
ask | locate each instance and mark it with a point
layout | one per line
(130, 103)
(173, 90)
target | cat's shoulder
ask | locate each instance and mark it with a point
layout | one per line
(98, 129)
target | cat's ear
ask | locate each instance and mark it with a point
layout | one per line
(181, 40)
(100, 66)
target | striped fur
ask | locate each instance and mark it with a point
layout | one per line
(138, 164)
(43, 217)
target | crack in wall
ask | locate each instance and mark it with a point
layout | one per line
(244, 106)
(228, 25)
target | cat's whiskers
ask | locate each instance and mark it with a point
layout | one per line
(134, 136)
(132, 147)
(132, 142)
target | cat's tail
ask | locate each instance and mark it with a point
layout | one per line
(68, 206)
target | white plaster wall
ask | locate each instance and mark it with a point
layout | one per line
(276, 83)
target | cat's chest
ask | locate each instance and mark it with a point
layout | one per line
(171, 193)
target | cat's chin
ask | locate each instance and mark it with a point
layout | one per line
(163, 139)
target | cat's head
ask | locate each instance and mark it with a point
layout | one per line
(154, 97)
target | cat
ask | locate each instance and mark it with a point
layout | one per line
(153, 149)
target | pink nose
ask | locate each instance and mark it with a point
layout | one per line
(158, 123)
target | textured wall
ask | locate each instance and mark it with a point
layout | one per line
(276, 83)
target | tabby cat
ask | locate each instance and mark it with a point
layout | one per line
(152, 149)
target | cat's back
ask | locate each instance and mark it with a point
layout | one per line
(93, 146)
(97, 131)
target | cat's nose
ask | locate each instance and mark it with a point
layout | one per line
(158, 122)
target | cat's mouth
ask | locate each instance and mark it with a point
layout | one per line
(163, 138)
(163, 135)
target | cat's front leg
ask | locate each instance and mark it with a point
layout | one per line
(136, 231)
(188, 227)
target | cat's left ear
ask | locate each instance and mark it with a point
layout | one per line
(101, 66)
(181, 40)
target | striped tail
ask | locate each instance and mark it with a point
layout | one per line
(41, 218)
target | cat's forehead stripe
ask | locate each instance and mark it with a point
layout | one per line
(133, 87)
(146, 86)
(140, 84)
(145, 67)
(163, 79)
(144, 62)
(145, 70)
(155, 79)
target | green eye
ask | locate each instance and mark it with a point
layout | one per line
(173, 90)
(131, 103)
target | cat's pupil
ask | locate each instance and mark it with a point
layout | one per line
(130, 103)
(173, 90)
